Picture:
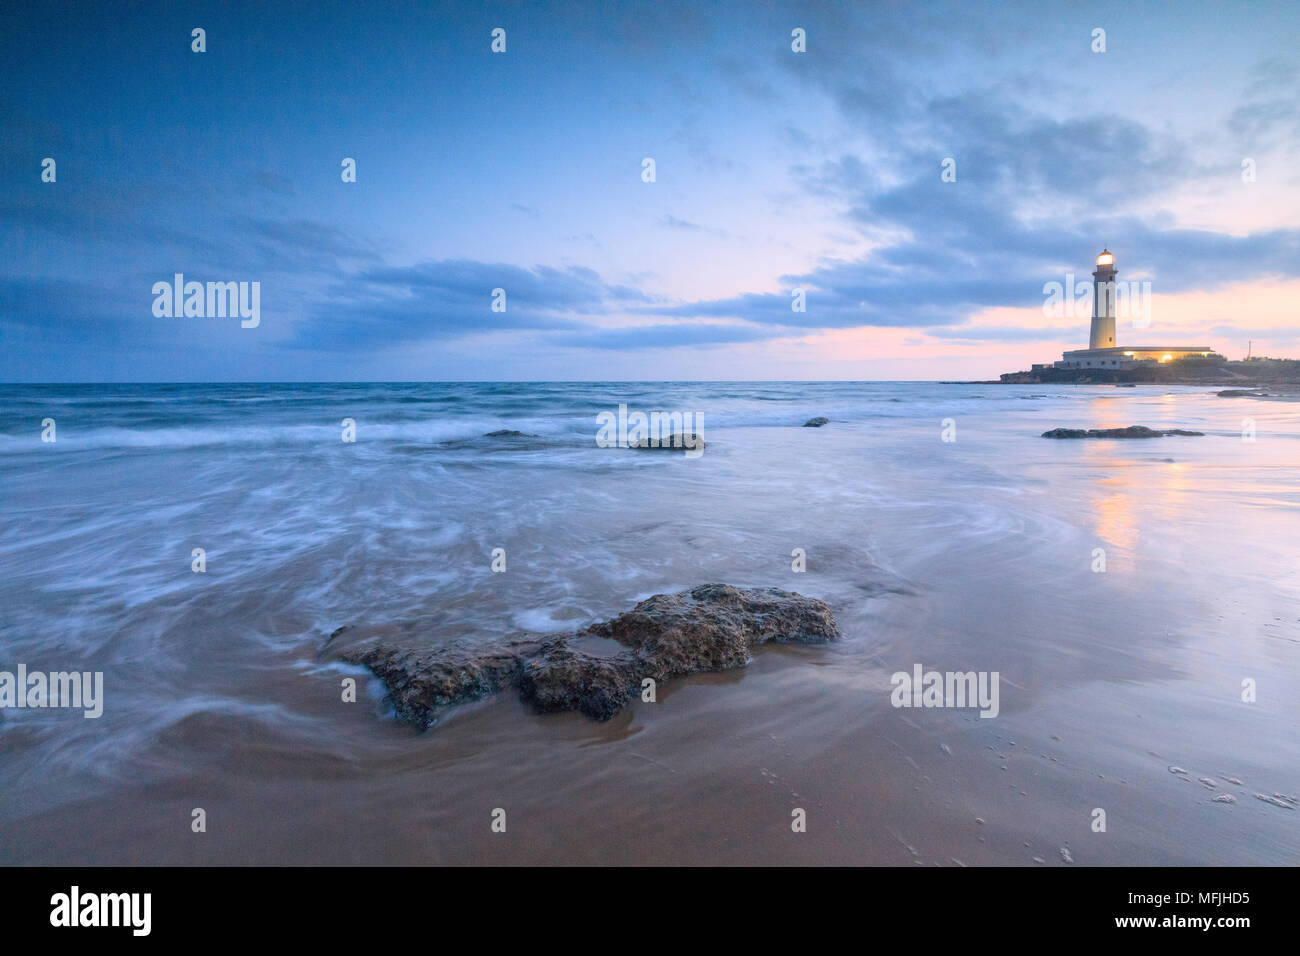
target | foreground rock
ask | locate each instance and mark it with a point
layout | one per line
(1132, 431)
(712, 627)
(817, 422)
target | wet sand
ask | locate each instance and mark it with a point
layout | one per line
(1107, 681)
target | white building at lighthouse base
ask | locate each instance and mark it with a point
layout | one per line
(1131, 357)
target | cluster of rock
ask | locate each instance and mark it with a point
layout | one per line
(712, 627)
(1132, 431)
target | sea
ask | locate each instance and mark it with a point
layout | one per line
(197, 544)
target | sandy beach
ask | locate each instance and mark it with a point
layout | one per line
(1120, 691)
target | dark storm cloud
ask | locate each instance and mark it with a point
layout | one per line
(454, 297)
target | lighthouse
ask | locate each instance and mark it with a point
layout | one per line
(1102, 352)
(1103, 303)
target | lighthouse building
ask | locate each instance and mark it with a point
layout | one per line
(1103, 351)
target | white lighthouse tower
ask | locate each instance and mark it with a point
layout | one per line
(1103, 303)
(1102, 352)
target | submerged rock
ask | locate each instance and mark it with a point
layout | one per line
(712, 627)
(501, 440)
(817, 422)
(1241, 393)
(1132, 431)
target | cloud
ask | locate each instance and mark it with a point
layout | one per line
(1274, 334)
(272, 181)
(303, 245)
(744, 75)
(1036, 197)
(672, 222)
(674, 335)
(839, 166)
(1269, 113)
(699, 147)
(387, 305)
(69, 309)
(1007, 333)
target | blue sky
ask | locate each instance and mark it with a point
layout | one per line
(522, 171)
